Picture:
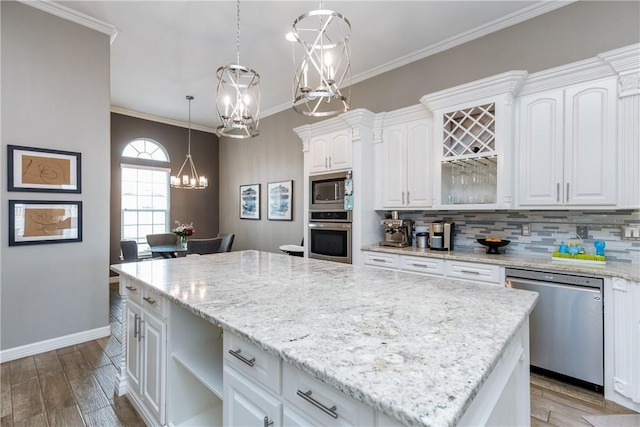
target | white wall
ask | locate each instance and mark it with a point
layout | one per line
(55, 94)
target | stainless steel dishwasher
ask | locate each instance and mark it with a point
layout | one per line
(566, 325)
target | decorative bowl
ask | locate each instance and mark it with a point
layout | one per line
(492, 247)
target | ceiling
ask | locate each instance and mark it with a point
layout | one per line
(165, 50)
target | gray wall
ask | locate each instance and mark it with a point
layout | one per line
(197, 206)
(578, 31)
(55, 94)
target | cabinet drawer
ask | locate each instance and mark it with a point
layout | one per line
(252, 361)
(155, 303)
(247, 404)
(321, 402)
(475, 272)
(131, 290)
(422, 265)
(381, 259)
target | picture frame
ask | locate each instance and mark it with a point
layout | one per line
(250, 201)
(34, 222)
(280, 201)
(43, 170)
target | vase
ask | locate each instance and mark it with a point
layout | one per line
(183, 242)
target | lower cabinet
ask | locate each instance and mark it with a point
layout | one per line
(146, 347)
(248, 404)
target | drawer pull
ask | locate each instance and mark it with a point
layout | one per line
(469, 272)
(419, 265)
(131, 288)
(378, 260)
(242, 358)
(149, 300)
(329, 411)
(267, 423)
(135, 326)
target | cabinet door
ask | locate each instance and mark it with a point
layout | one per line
(541, 149)
(394, 161)
(590, 143)
(418, 157)
(154, 333)
(247, 404)
(293, 418)
(626, 338)
(134, 354)
(318, 156)
(340, 154)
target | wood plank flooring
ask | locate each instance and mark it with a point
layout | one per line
(75, 386)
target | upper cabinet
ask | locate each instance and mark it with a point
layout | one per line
(567, 146)
(402, 160)
(473, 141)
(330, 152)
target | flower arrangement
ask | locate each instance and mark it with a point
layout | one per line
(183, 230)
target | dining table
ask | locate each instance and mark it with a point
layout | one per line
(168, 251)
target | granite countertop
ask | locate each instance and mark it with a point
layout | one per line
(416, 348)
(545, 263)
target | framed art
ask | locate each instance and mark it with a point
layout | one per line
(34, 222)
(43, 170)
(250, 201)
(280, 196)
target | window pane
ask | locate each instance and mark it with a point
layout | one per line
(129, 202)
(129, 174)
(130, 218)
(145, 202)
(159, 218)
(160, 203)
(145, 188)
(145, 175)
(130, 232)
(160, 189)
(138, 144)
(145, 218)
(144, 230)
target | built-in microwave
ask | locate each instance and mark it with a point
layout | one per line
(326, 192)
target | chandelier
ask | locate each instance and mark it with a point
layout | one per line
(238, 95)
(190, 179)
(325, 65)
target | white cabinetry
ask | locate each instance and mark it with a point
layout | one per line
(330, 152)
(473, 139)
(246, 404)
(567, 146)
(624, 311)
(403, 160)
(146, 347)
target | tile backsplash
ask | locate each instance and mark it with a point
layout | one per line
(548, 229)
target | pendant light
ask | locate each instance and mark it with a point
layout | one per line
(325, 65)
(190, 180)
(238, 96)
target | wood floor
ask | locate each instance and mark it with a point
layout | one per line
(74, 386)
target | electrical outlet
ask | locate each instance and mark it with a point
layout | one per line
(582, 231)
(525, 230)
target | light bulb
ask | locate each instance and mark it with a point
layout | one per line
(226, 105)
(327, 59)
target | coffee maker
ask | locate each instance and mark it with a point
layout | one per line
(441, 235)
(397, 232)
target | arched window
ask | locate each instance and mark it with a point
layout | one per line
(144, 192)
(142, 148)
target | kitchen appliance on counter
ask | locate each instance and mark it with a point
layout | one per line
(566, 325)
(397, 232)
(441, 235)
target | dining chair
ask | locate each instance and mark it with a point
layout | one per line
(204, 246)
(129, 250)
(227, 241)
(161, 239)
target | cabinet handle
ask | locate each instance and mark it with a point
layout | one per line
(403, 197)
(140, 336)
(149, 300)
(567, 191)
(242, 358)
(135, 325)
(266, 422)
(378, 260)
(131, 288)
(557, 192)
(329, 161)
(407, 197)
(329, 411)
(325, 163)
(469, 272)
(419, 265)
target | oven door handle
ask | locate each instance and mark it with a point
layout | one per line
(330, 226)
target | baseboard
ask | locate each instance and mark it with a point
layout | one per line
(53, 344)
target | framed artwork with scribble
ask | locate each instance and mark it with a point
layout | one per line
(43, 170)
(35, 221)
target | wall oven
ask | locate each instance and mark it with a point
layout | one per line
(330, 236)
(326, 191)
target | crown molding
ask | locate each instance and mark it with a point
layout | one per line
(160, 119)
(625, 60)
(73, 16)
(404, 115)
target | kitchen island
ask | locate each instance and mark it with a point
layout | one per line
(418, 350)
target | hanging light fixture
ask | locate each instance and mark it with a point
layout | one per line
(190, 180)
(325, 65)
(238, 96)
